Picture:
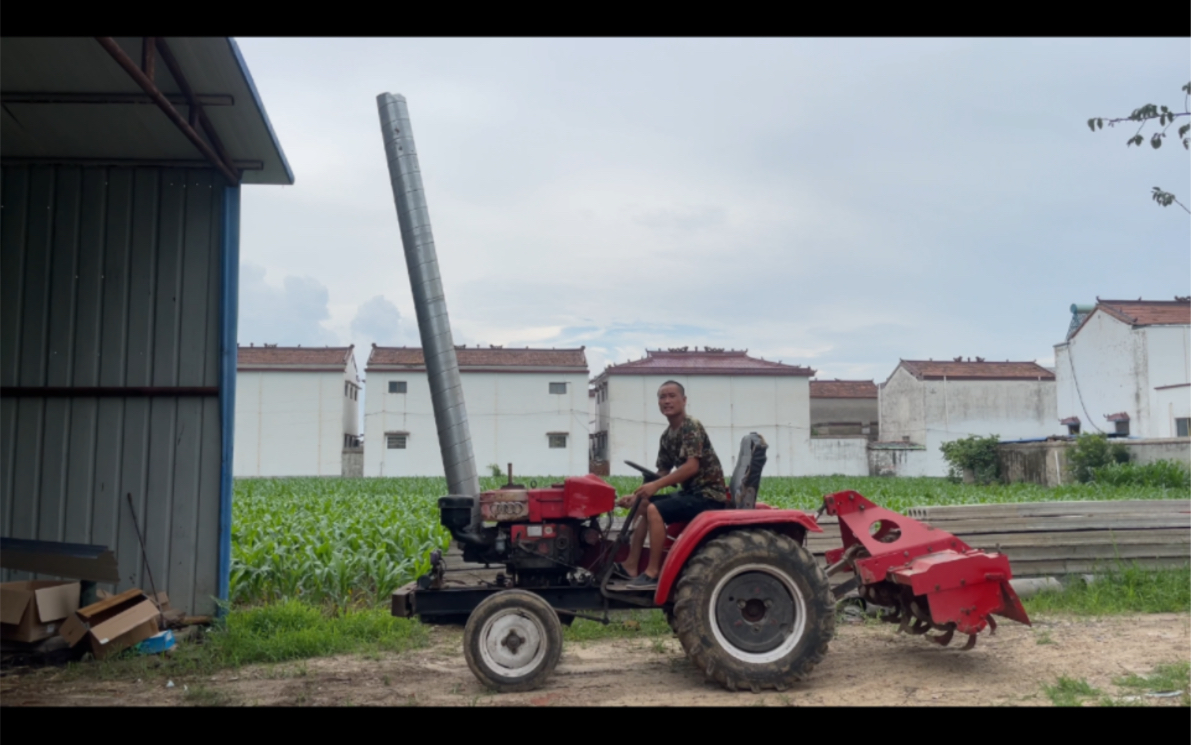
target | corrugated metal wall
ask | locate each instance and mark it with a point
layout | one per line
(111, 277)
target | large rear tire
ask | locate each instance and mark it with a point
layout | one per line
(513, 641)
(753, 610)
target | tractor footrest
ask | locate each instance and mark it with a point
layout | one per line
(623, 586)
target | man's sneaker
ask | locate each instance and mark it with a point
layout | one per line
(643, 582)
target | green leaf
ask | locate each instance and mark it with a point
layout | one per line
(1092, 124)
(1184, 129)
(1099, 124)
(1156, 141)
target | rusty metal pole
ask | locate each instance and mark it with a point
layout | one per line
(438, 348)
(163, 103)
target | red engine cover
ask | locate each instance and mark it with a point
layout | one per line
(579, 498)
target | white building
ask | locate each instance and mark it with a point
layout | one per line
(928, 402)
(1125, 368)
(296, 410)
(528, 407)
(731, 393)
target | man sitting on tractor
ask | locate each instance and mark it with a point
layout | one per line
(686, 447)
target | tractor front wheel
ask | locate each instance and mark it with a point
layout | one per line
(753, 610)
(513, 641)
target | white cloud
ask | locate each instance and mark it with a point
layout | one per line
(377, 321)
(287, 315)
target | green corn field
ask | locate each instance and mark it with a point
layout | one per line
(351, 542)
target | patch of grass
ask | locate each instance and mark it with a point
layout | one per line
(294, 630)
(1119, 588)
(634, 624)
(272, 633)
(1069, 692)
(1165, 678)
(1044, 638)
(201, 695)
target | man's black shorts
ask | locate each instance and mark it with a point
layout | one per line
(681, 507)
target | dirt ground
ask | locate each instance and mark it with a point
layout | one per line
(867, 664)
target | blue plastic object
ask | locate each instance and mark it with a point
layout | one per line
(158, 643)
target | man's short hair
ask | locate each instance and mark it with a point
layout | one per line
(674, 383)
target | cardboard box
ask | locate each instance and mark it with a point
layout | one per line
(34, 610)
(113, 624)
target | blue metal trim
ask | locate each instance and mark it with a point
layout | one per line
(260, 106)
(229, 262)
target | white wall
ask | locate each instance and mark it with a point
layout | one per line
(1169, 363)
(351, 407)
(897, 462)
(844, 456)
(509, 416)
(289, 424)
(1117, 368)
(954, 409)
(730, 407)
(901, 408)
(1170, 404)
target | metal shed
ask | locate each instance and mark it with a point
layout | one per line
(121, 163)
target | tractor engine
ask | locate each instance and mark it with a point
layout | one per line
(541, 535)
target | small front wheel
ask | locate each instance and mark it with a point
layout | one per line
(513, 641)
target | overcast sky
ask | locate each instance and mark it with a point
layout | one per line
(834, 203)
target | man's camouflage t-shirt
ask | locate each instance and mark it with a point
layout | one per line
(691, 441)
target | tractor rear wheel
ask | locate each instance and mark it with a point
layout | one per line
(513, 641)
(753, 610)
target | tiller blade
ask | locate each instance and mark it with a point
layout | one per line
(930, 578)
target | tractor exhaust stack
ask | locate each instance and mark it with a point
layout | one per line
(442, 366)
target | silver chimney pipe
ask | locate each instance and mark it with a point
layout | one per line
(442, 366)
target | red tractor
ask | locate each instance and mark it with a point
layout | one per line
(749, 603)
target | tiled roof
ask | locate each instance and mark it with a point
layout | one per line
(304, 357)
(1120, 416)
(1148, 312)
(485, 358)
(981, 370)
(707, 362)
(843, 389)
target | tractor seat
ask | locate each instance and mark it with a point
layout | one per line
(746, 479)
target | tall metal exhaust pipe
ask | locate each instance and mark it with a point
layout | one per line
(442, 366)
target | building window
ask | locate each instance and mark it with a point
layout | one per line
(558, 440)
(347, 390)
(1181, 427)
(558, 388)
(1123, 428)
(395, 442)
(1073, 429)
(396, 386)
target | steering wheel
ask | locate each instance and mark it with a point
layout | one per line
(645, 472)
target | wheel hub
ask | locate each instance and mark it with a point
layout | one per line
(512, 644)
(755, 612)
(512, 641)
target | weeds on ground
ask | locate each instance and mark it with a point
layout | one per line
(1069, 692)
(1166, 679)
(266, 634)
(1119, 587)
(624, 625)
(201, 695)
